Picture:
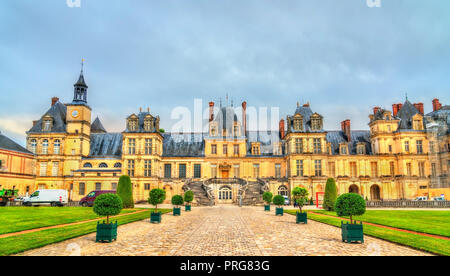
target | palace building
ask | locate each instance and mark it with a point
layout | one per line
(398, 158)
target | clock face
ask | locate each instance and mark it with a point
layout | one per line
(75, 113)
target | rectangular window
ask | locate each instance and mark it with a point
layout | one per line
(256, 170)
(343, 149)
(148, 146)
(278, 170)
(332, 169)
(317, 145)
(167, 171)
(213, 149)
(43, 169)
(113, 186)
(237, 172)
(390, 148)
(55, 169)
(419, 147)
(318, 167)
(406, 146)
(132, 146)
(236, 149)
(81, 189)
(392, 168)
(255, 150)
(433, 169)
(225, 149)
(148, 168)
(408, 169)
(374, 168)
(422, 169)
(213, 171)
(236, 130)
(300, 171)
(147, 186)
(131, 168)
(182, 171)
(353, 172)
(197, 170)
(298, 145)
(98, 186)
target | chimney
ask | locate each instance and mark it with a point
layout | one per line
(282, 131)
(396, 108)
(345, 125)
(419, 106)
(54, 100)
(375, 109)
(436, 105)
(244, 117)
(35, 122)
(211, 111)
(306, 105)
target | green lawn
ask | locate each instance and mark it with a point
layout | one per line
(433, 245)
(431, 222)
(15, 219)
(20, 243)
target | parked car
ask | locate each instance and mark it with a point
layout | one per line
(439, 198)
(90, 198)
(286, 200)
(47, 197)
(421, 198)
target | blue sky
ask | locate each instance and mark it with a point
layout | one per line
(341, 56)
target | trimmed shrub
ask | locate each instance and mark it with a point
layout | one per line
(329, 199)
(278, 200)
(125, 191)
(177, 200)
(300, 196)
(156, 196)
(267, 197)
(188, 197)
(108, 205)
(350, 205)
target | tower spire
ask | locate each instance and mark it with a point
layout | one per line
(80, 88)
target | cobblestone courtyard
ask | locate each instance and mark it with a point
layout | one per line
(225, 230)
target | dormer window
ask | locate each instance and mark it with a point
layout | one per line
(148, 123)
(133, 123)
(277, 149)
(47, 123)
(316, 122)
(343, 149)
(298, 123)
(236, 130)
(256, 149)
(361, 149)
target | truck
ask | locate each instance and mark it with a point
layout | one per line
(47, 197)
(7, 195)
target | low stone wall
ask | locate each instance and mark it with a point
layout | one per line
(408, 204)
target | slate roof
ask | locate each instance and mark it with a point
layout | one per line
(106, 145)
(225, 118)
(8, 144)
(97, 127)
(440, 119)
(267, 139)
(141, 116)
(405, 115)
(306, 113)
(358, 136)
(81, 81)
(183, 144)
(58, 113)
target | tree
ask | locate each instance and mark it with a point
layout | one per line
(189, 197)
(177, 200)
(125, 191)
(108, 205)
(330, 196)
(300, 196)
(278, 200)
(350, 205)
(157, 196)
(267, 197)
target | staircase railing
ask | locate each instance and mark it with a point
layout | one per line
(243, 186)
(186, 186)
(209, 191)
(264, 185)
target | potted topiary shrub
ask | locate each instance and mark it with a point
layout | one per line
(267, 197)
(177, 200)
(301, 198)
(278, 200)
(157, 196)
(188, 198)
(107, 205)
(351, 205)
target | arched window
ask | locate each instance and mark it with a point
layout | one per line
(283, 191)
(87, 165)
(57, 147)
(33, 145)
(375, 192)
(225, 193)
(103, 165)
(354, 189)
(118, 165)
(45, 146)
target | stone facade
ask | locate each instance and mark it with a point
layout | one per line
(229, 163)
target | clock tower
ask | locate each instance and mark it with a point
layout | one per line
(78, 121)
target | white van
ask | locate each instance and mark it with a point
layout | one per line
(47, 197)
